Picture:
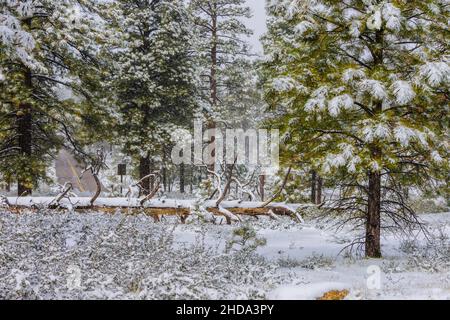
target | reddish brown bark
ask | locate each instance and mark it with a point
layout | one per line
(373, 219)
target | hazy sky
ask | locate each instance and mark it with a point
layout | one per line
(257, 23)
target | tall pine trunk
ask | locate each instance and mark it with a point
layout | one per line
(191, 180)
(373, 219)
(211, 125)
(182, 178)
(262, 184)
(313, 186)
(319, 190)
(24, 132)
(144, 170)
(24, 127)
(164, 175)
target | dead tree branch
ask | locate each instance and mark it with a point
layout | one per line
(155, 189)
(66, 189)
(280, 190)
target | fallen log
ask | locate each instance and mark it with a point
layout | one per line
(157, 213)
(155, 208)
(253, 211)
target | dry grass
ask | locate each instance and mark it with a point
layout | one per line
(335, 295)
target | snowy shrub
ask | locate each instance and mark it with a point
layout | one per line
(245, 239)
(97, 256)
(288, 262)
(314, 262)
(424, 205)
(283, 223)
(408, 246)
(312, 212)
(434, 256)
(392, 266)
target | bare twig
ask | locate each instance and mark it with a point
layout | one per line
(155, 189)
(66, 189)
(280, 190)
(227, 185)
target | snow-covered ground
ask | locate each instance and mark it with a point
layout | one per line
(412, 268)
(98, 256)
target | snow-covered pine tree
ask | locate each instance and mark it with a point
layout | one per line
(48, 74)
(153, 80)
(222, 48)
(223, 58)
(362, 91)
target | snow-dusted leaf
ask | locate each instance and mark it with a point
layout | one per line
(374, 88)
(403, 92)
(404, 135)
(435, 73)
(339, 103)
(392, 17)
(375, 21)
